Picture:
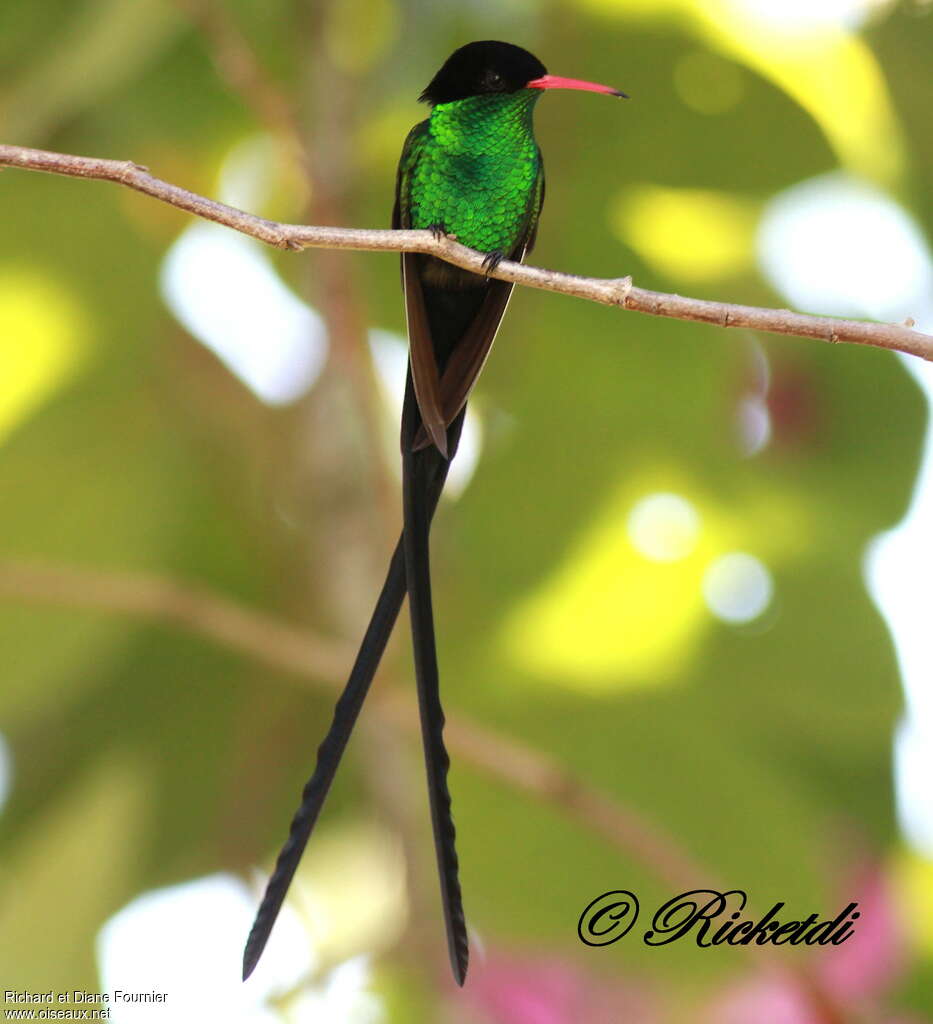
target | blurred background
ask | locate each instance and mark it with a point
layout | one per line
(682, 583)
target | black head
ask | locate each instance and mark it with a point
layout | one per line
(478, 69)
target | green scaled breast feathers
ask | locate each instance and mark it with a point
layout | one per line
(474, 169)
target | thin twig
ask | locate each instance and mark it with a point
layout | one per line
(534, 772)
(237, 64)
(292, 650)
(180, 604)
(619, 292)
(338, 294)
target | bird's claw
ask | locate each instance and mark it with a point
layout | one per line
(438, 231)
(492, 260)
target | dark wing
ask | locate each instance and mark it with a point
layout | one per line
(424, 373)
(421, 348)
(468, 358)
(470, 354)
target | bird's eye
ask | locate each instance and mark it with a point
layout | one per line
(494, 80)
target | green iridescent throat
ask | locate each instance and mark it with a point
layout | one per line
(474, 169)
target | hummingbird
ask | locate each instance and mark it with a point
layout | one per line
(472, 170)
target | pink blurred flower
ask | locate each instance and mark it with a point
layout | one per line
(524, 989)
(854, 976)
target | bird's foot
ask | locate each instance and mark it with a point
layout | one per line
(492, 260)
(438, 230)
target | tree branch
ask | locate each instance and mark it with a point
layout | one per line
(237, 65)
(195, 609)
(619, 292)
(292, 650)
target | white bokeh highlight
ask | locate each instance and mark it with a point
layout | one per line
(6, 771)
(913, 769)
(737, 588)
(839, 246)
(187, 941)
(226, 293)
(390, 359)
(343, 998)
(808, 16)
(835, 245)
(664, 527)
(752, 415)
(224, 289)
(754, 424)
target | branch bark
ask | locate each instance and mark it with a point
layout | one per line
(619, 292)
